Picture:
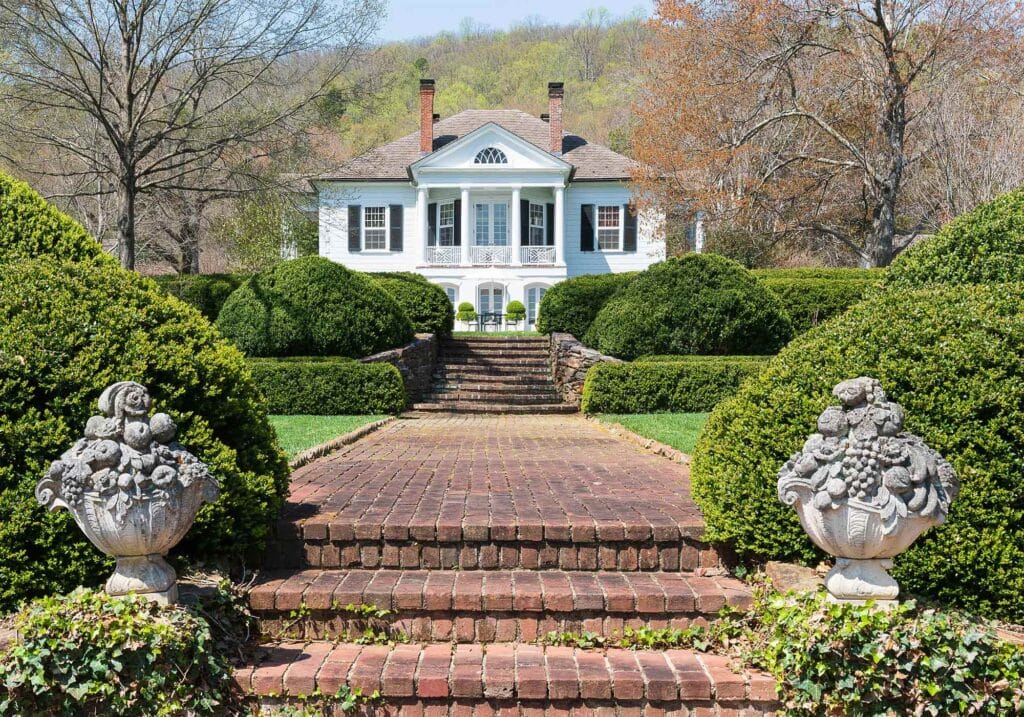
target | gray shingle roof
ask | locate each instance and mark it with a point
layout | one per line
(390, 161)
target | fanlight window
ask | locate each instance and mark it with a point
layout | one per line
(491, 155)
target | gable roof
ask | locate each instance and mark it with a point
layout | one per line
(390, 162)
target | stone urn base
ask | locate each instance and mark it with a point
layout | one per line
(853, 580)
(149, 576)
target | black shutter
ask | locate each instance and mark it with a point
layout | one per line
(458, 222)
(629, 229)
(549, 226)
(587, 227)
(432, 224)
(354, 228)
(396, 227)
(524, 222)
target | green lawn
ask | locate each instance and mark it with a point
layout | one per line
(297, 433)
(679, 430)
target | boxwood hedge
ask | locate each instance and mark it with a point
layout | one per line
(313, 307)
(697, 304)
(954, 358)
(206, 292)
(329, 387)
(570, 306)
(674, 384)
(425, 304)
(809, 302)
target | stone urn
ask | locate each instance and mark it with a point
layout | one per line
(132, 490)
(865, 489)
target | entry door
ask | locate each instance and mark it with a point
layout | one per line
(533, 297)
(491, 224)
(491, 300)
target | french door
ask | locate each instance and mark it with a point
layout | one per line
(491, 224)
(491, 300)
(533, 297)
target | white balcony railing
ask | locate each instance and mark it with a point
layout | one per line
(490, 255)
(537, 255)
(444, 255)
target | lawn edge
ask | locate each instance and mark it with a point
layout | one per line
(319, 451)
(648, 444)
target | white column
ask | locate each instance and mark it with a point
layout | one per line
(422, 196)
(560, 225)
(517, 226)
(466, 230)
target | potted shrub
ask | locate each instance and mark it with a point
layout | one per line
(515, 312)
(466, 314)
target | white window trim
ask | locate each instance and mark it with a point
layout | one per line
(387, 229)
(440, 226)
(542, 226)
(597, 230)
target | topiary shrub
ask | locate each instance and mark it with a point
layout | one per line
(466, 312)
(571, 306)
(515, 311)
(91, 654)
(329, 387)
(658, 386)
(954, 358)
(313, 307)
(983, 246)
(809, 302)
(697, 304)
(67, 331)
(425, 303)
(31, 227)
(206, 292)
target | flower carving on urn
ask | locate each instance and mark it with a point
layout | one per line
(864, 489)
(132, 490)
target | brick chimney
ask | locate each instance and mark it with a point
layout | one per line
(427, 116)
(556, 90)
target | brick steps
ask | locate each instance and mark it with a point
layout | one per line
(488, 606)
(471, 679)
(504, 395)
(493, 408)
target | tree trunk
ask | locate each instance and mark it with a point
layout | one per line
(884, 231)
(190, 240)
(126, 223)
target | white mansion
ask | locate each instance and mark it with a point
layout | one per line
(492, 205)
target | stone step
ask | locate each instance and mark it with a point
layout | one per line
(484, 340)
(498, 387)
(496, 351)
(494, 373)
(496, 407)
(519, 398)
(491, 361)
(516, 679)
(488, 605)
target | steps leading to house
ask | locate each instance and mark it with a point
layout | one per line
(494, 375)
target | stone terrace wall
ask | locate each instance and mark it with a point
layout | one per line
(415, 361)
(570, 361)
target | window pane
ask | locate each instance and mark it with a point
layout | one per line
(447, 214)
(450, 291)
(485, 301)
(482, 234)
(374, 218)
(608, 239)
(537, 215)
(376, 239)
(608, 217)
(447, 236)
(499, 229)
(537, 236)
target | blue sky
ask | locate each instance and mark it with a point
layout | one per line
(416, 18)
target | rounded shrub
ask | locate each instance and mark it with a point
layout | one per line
(954, 358)
(466, 312)
(571, 306)
(206, 292)
(515, 311)
(697, 304)
(983, 246)
(91, 654)
(425, 304)
(67, 331)
(32, 227)
(313, 307)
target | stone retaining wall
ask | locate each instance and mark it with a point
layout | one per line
(416, 362)
(570, 361)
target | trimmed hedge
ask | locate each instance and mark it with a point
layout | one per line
(67, 331)
(984, 246)
(697, 304)
(571, 306)
(425, 304)
(954, 358)
(313, 307)
(809, 302)
(329, 386)
(30, 227)
(655, 385)
(206, 292)
(821, 272)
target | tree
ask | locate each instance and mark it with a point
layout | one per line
(809, 118)
(586, 37)
(152, 95)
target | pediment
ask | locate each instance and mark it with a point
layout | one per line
(491, 139)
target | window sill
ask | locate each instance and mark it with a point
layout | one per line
(378, 251)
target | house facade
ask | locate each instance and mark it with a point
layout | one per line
(493, 205)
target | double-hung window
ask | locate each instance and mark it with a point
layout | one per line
(446, 224)
(609, 228)
(375, 228)
(537, 236)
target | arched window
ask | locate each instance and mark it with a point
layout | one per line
(490, 155)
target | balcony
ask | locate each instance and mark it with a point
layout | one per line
(536, 255)
(490, 255)
(444, 255)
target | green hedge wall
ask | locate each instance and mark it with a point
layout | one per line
(425, 303)
(571, 306)
(809, 302)
(329, 386)
(658, 385)
(206, 292)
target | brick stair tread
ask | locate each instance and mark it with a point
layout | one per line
(505, 671)
(511, 591)
(520, 399)
(542, 385)
(455, 407)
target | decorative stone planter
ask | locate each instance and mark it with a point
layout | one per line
(865, 490)
(131, 489)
